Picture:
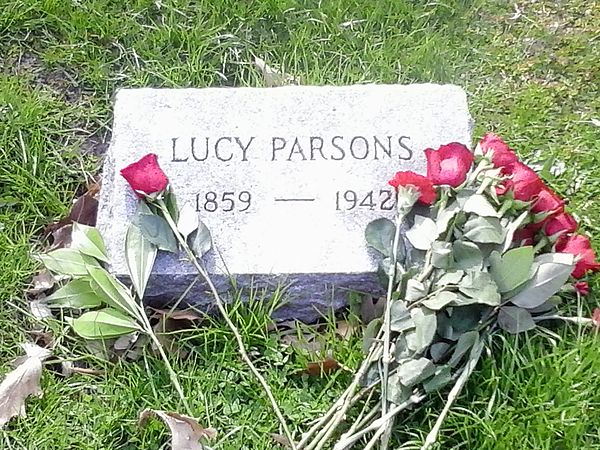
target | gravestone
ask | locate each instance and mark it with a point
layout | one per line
(286, 179)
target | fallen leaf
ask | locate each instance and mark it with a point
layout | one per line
(22, 382)
(272, 76)
(305, 342)
(126, 341)
(85, 209)
(186, 433)
(178, 314)
(281, 440)
(39, 309)
(370, 310)
(68, 369)
(164, 331)
(41, 282)
(320, 368)
(61, 237)
(346, 329)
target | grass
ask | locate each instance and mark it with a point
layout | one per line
(532, 74)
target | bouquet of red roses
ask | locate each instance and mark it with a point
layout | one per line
(488, 250)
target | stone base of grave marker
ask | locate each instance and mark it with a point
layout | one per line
(285, 178)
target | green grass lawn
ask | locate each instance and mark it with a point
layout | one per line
(532, 71)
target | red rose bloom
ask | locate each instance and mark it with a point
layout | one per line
(145, 176)
(563, 222)
(524, 182)
(525, 236)
(579, 246)
(582, 287)
(502, 156)
(547, 202)
(449, 164)
(419, 182)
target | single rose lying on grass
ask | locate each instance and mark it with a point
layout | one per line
(427, 193)
(145, 176)
(579, 246)
(449, 164)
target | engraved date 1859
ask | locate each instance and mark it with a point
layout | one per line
(226, 201)
(348, 200)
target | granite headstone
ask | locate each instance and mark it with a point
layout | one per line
(286, 179)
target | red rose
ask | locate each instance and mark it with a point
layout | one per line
(449, 164)
(547, 202)
(582, 287)
(525, 236)
(419, 182)
(579, 246)
(524, 182)
(145, 176)
(563, 222)
(502, 156)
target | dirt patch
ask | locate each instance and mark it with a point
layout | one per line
(96, 144)
(57, 80)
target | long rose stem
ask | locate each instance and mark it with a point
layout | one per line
(387, 319)
(386, 329)
(454, 393)
(379, 424)
(324, 435)
(230, 324)
(172, 375)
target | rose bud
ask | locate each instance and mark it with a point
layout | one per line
(427, 193)
(579, 246)
(503, 155)
(449, 164)
(145, 176)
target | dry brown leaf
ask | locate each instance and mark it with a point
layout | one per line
(347, 329)
(307, 343)
(178, 314)
(61, 237)
(68, 369)
(370, 310)
(84, 211)
(41, 282)
(281, 440)
(22, 382)
(186, 433)
(163, 330)
(272, 76)
(39, 309)
(325, 367)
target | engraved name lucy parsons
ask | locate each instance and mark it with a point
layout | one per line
(279, 148)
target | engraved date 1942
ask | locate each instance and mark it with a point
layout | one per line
(348, 200)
